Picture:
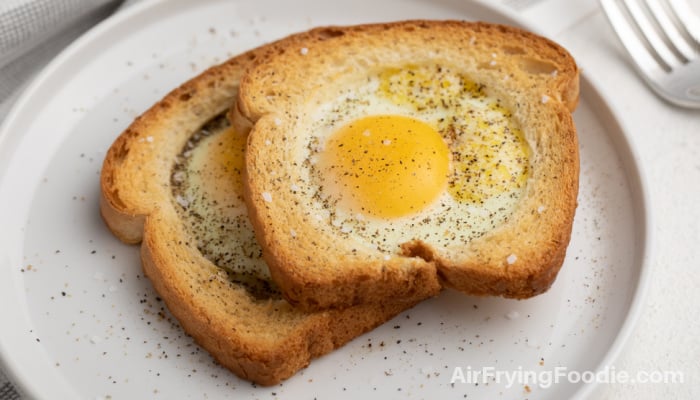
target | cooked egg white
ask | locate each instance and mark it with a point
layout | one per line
(419, 152)
(208, 186)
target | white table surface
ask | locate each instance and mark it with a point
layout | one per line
(667, 140)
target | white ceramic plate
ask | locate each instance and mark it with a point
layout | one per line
(79, 320)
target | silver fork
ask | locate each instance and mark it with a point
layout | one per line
(663, 39)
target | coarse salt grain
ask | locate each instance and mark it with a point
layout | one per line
(179, 176)
(544, 99)
(512, 315)
(294, 188)
(149, 139)
(304, 51)
(492, 63)
(387, 257)
(267, 142)
(267, 196)
(386, 142)
(346, 229)
(366, 132)
(277, 121)
(512, 259)
(183, 202)
(293, 233)
(541, 209)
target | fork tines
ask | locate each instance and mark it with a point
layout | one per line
(663, 38)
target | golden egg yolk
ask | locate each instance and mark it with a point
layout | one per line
(386, 165)
(224, 164)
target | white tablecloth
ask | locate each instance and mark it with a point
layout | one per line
(668, 143)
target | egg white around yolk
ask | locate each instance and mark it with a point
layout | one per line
(208, 187)
(386, 165)
(487, 159)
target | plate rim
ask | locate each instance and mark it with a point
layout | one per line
(635, 173)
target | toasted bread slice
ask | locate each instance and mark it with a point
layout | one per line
(504, 237)
(172, 181)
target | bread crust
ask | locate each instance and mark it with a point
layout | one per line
(314, 266)
(261, 341)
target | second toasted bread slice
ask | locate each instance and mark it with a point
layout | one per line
(172, 181)
(387, 159)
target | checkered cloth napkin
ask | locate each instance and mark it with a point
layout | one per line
(7, 392)
(32, 32)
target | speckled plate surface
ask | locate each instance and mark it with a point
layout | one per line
(79, 320)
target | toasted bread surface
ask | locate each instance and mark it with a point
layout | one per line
(315, 260)
(196, 245)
